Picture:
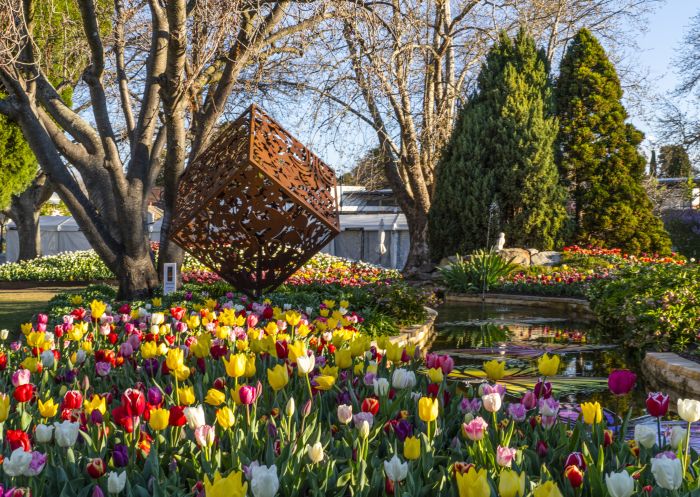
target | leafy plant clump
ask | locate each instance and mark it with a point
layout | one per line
(481, 271)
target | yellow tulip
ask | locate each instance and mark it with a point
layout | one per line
(210, 303)
(329, 303)
(149, 350)
(547, 489)
(473, 483)
(185, 396)
(97, 309)
(159, 419)
(278, 377)
(241, 345)
(428, 409)
(87, 347)
(495, 370)
(5, 406)
(26, 328)
(181, 374)
(511, 484)
(36, 339)
(344, 304)
(31, 363)
(330, 371)
(76, 300)
(435, 375)
(157, 301)
(296, 349)
(225, 417)
(303, 330)
(292, 317)
(193, 321)
(411, 448)
(592, 413)
(97, 403)
(215, 397)
(175, 359)
(394, 352)
(548, 365)
(324, 382)
(231, 486)
(201, 346)
(343, 358)
(250, 367)
(47, 409)
(235, 366)
(271, 328)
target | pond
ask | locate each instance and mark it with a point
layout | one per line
(474, 333)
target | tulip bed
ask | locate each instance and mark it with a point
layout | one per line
(237, 398)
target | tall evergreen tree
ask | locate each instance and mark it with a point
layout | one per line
(653, 166)
(598, 154)
(501, 151)
(675, 162)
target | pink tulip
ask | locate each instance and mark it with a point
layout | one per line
(247, 394)
(475, 429)
(204, 435)
(505, 456)
(621, 381)
(21, 377)
(529, 400)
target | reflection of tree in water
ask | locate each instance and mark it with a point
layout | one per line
(472, 337)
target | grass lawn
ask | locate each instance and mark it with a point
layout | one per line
(18, 306)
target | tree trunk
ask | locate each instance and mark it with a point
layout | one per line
(25, 211)
(137, 277)
(418, 263)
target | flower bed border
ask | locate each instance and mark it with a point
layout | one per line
(673, 373)
(579, 307)
(421, 334)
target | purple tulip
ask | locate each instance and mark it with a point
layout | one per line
(97, 492)
(517, 411)
(473, 406)
(151, 367)
(543, 389)
(102, 368)
(120, 455)
(343, 398)
(154, 395)
(529, 400)
(621, 381)
(272, 430)
(403, 429)
(96, 417)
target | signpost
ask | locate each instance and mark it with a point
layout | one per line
(169, 278)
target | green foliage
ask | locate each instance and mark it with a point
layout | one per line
(674, 162)
(684, 228)
(657, 305)
(598, 154)
(501, 150)
(481, 271)
(18, 166)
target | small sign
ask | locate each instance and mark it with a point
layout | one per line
(169, 278)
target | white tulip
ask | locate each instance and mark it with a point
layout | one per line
(80, 356)
(194, 416)
(402, 378)
(344, 413)
(47, 359)
(381, 386)
(116, 482)
(678, 435)
(315, 452)
(491, 402)
(364, 429)
(43, 433)
(264, 481)
(4, 333)
(620, 484)
(306, 363)
(667, 472)
(645, 435)
(395, 470)
(689, 410)
(290, 407)
(66, 433)
(18, 462)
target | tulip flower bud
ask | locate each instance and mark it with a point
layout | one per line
(575, 475)
(364, 429)
(290, 407)
(306, 410)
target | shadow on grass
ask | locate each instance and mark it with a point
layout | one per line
(20, 306)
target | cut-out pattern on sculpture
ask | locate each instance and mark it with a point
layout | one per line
(256, 205)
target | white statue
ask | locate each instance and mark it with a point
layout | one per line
(501, 241)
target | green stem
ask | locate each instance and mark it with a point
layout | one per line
(687, 450)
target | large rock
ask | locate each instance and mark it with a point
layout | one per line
(516, 255)
(547, 258)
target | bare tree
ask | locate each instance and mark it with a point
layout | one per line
(25, 210)
(402, 68)
(155, 88)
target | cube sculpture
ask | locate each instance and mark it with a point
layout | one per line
(255, 205)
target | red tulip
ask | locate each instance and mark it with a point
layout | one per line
(134, 402)
(370, 404)
(657, 404)
(574, 475)
(542, 448)
(96, 467)
(607, 438)
(73, 399)
(17, 439)
(177, 416)
(177, 313)
(621, 381)
(282, 349)
(23, 393)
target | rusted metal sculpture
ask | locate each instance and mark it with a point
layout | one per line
(256, 205)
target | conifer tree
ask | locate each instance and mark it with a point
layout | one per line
(675, 162)
(653, 166)
(598, 154)
(501, 151)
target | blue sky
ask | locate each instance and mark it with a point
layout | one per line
(658, 46)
